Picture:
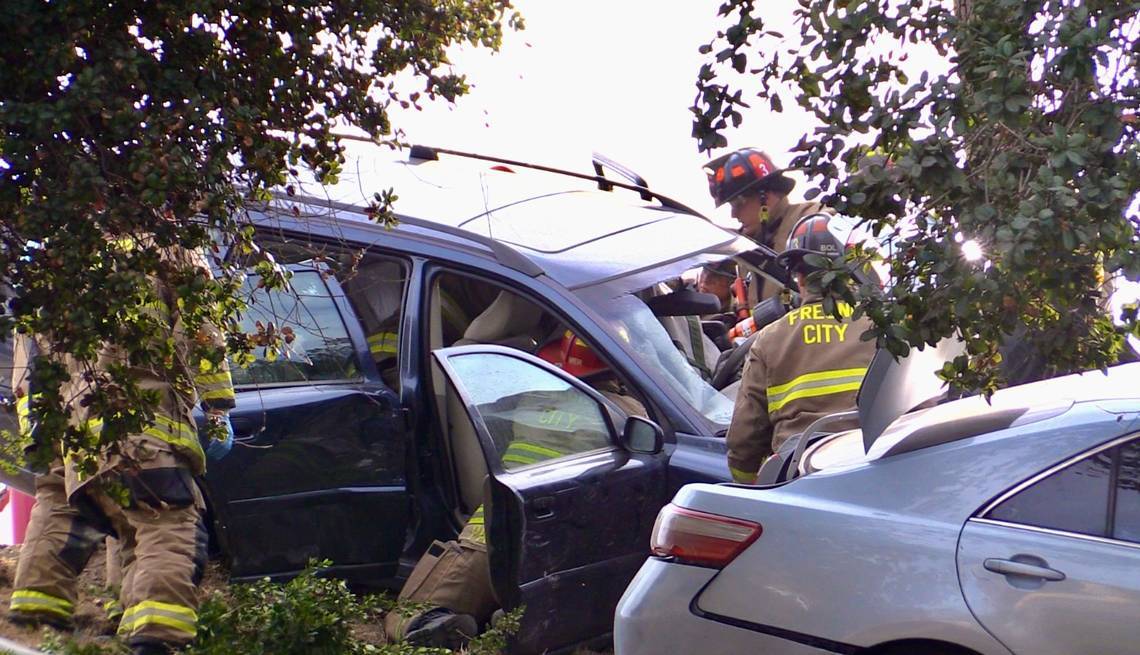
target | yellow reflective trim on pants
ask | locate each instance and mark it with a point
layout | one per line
(26, 600)
(743, 477)
(812, 392)
(150, 612)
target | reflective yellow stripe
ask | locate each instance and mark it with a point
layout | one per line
(24, 413)
(176, 434)
(219, 394)
(541, 451)
(476, 517)
(743, 477)
(520, 459)
(212, 378)
(179, 617)
(26, 600)
(813, 392)
(476, 533)
(524, 453)
(383, 343)
(813, 377)
(822, 383)
(214, 386)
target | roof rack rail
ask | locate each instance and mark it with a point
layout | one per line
(638, 184)
(602, 162)
(504, 253)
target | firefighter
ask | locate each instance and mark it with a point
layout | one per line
(146, 494)
(717, 279)
(377, 292)
(60, 541)
(802, 367)
(757, 191)
(452, 580)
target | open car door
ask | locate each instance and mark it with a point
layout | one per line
(573, 489)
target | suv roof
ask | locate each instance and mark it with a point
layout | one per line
(539, 222)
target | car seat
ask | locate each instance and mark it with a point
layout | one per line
(509, 320)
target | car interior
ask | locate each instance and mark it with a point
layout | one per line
(497, 316)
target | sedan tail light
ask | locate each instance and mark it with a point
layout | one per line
(694, 537)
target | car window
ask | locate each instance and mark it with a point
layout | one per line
(1074, 499)
(532, 415)
(375, 288)
(465, 310)
(1126, 525)
(315, 344)
(654, 342)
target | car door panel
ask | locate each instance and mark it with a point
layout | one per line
(318, 466)
(565, 535)
(1093, 609)
(315, 463)
(577, 536)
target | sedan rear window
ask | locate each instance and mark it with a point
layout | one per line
(1074, 499)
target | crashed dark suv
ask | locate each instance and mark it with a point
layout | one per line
(380, 426)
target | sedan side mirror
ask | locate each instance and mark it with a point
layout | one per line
(641, 435)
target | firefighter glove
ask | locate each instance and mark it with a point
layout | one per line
(218, 448)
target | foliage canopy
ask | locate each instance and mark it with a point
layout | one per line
(156, 122)
(1025, 142)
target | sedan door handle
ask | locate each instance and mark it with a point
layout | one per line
(1011, 567)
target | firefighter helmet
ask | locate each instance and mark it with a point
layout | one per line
(816, 234)
(742, 171)
(573, 355)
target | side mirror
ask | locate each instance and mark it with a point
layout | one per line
(643, 436)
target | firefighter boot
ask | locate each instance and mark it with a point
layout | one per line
(441, 628)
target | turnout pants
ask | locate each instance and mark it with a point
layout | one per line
(454, 575)
(164, 543)
(162, 550)
(58, 546)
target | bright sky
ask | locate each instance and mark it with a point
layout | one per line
(612, 77)
(617, 78)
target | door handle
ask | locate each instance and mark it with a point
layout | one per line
(244, 429)
(542, 508)
(1013, 567)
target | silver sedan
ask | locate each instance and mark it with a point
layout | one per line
(969, 527)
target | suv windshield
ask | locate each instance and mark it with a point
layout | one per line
(659, 352)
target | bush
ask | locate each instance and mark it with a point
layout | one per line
(309, 615)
